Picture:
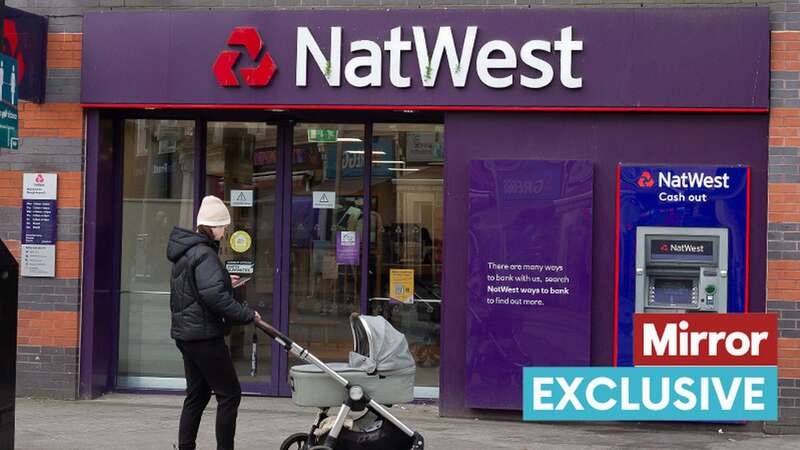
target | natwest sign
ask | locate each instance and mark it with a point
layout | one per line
(495, 62)
(465, 59)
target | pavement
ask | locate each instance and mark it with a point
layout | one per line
(121, 421)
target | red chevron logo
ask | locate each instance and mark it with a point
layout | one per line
(646, 180)
(258, 76)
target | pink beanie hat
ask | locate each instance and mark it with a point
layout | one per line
(213, 213)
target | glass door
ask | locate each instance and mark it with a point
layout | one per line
(327, 212)
(157, 194)
(241, 169)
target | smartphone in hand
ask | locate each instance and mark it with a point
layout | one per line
(241, 281)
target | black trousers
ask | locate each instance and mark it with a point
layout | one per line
(208, 367)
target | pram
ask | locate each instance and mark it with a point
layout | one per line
(380, 373)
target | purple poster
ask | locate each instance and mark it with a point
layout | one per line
(530, 273)
(39, 225)
(347, 248)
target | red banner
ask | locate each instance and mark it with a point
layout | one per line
(705, 339)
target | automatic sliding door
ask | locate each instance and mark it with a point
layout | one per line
(158, 162)
(325, 243)
(241, 169)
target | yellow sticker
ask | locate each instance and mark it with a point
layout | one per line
(240, 241)
(401, 285)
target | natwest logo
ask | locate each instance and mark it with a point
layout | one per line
(693, 180)
(645, 180)
(258, 76)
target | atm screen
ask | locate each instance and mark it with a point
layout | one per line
(673, 292)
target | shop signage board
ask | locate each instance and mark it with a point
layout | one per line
(9, 120)
(679, 196)
(616, 58)
(25, 35)
(530, 273)
(39, 224)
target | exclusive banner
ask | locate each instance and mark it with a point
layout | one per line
(650, 393)
(704, 367)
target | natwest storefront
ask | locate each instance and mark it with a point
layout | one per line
(457, 171)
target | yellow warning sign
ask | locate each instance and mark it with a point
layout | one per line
(240, 241)
(401, 285)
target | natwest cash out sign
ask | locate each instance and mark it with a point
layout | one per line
(689, 185)
(705, 339)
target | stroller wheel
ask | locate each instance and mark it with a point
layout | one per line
(297, 441)
(320, 447)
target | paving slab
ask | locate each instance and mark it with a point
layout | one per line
(124, 421)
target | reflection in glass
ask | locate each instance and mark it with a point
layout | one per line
(326, 219)
(406, 235)
(241, 166)
(157, 195)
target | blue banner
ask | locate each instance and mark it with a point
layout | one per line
(679, 196)
(650, 393)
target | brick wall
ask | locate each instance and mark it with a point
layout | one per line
(52, 142)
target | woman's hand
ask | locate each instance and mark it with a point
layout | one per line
(234, 279)
(258, 316)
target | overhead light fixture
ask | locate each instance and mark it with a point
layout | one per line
(388, 162)
(393, 169)
(361, 152)
(348, 140)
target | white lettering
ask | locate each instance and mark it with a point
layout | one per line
(372, 62)
(653, 342)
(750, 393)
(485, 63)
(526, 54)
(680, 389)
(647, 395)
(429, 62)
(331, 67)
(590, 396)
(396, 46)
(566, 46)
(540, 393)
(569, 393)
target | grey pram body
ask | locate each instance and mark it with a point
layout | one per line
(380, 363)
(380, 373)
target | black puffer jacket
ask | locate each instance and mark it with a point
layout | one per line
(201, 295)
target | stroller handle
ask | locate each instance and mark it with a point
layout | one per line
(273, 333)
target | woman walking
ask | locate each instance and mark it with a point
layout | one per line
(203, 311)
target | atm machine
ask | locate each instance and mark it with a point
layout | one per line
(681, 270)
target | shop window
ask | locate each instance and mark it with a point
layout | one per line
(241, 165)
(406, 234)
(157, 194)
(327, 211)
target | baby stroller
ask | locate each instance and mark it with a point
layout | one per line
(380, 373)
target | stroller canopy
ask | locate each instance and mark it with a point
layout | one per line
(378, 345)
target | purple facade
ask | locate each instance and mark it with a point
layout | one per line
(530, 273)
(655, 58)
(606, 140)
(642, 60)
